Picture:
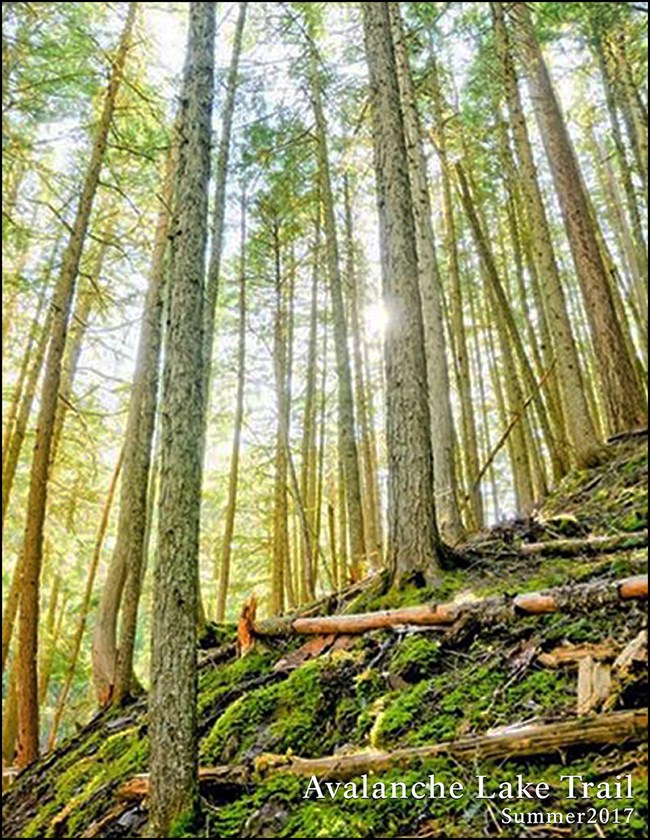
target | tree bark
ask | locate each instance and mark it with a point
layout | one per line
(28, 712)
(173, 693)
(414, 544)
(442, 421)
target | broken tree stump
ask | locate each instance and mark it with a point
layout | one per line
(594, 684)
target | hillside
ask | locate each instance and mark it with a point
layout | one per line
(404, 687)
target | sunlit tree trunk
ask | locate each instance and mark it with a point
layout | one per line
(213, 276)
(35, 328)
(28, 716)
(585, 444)
(173, 693)
(414, 545)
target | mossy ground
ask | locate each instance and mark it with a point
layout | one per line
(388, 690)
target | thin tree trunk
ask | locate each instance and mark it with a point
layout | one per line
(173, 694)
(23, 375)
(233, 479)
(85, 604)
(280, 507)
(371, 491)
(349, 453)
(414, 545)
(15, 445)
(501, 299)
(112, 671)
(47, 653)
(213, 276)
(309, 452)
(85, 303)
(458, 330)
(28, 712)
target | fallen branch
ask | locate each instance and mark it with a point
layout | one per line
(618, 728)
(498, 608)
(590, 545)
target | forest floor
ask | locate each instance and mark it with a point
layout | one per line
(397, 688)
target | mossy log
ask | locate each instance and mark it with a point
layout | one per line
(619, 728)
(570, 598)
(590, 545)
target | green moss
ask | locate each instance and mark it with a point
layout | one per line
(216, 682)
(417, 657)
(310, 713)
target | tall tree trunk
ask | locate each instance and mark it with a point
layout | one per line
(233, 479)
(585, 444)
(609, 85)
(636, 119)
(113, 666)
(15, 443)
(280, 559)
(349, 450)
(414, 546)
(442, 421)
(173, 693)
(309, 452)
(458, 330)
(219, 211)
(28, 713)
(623, 396)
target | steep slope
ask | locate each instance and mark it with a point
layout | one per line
(401, 688)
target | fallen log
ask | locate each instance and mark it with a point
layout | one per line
(617, 728)
(567, 598)
(590, 545)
